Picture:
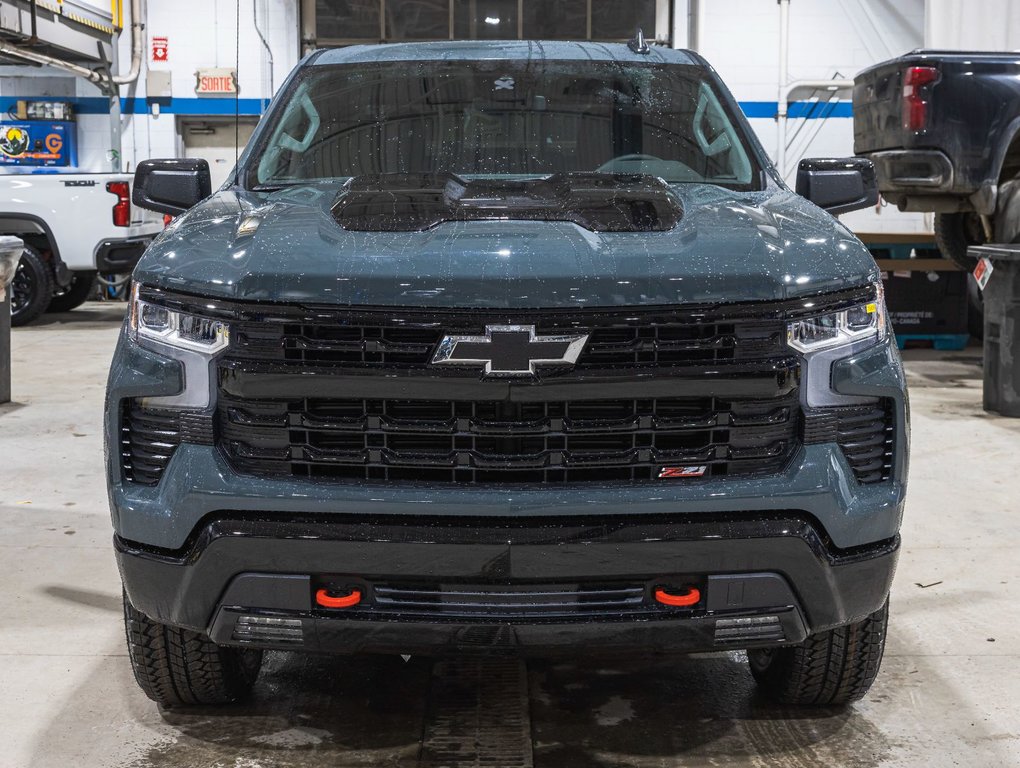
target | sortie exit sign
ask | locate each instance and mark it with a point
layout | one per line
(216, 80)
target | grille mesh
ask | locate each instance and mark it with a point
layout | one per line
(505, 603)
(285, 405)
(393, 342)
(499, 441)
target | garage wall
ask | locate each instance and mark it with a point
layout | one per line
(201, 34)
(828, 39)
(992, 25)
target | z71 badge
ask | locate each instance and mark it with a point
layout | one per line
(667, 472)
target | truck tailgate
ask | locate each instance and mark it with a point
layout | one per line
(878, 120)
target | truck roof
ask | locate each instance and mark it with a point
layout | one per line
(518, 50)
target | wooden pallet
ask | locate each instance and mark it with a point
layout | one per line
(944, 342)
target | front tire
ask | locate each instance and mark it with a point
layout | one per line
(31, 289)
(177, 667)
(829, 668)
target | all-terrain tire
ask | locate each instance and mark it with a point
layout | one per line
(31, 289)
(830, 668)
(954, 232)
(76, 294)
(177, 667)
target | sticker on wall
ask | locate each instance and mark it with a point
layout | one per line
(160, 49)
(14, 141)
(505, 83)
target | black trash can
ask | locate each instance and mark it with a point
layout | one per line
(10, 255)
(1002, 328)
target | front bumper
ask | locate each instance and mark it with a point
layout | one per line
(765, 580)
(199, 483)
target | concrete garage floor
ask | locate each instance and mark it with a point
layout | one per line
(948, 694)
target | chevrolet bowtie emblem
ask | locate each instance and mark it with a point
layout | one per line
(509, 350)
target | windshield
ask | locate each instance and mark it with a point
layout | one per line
(508, 119)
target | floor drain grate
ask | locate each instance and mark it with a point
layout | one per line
(477, 715)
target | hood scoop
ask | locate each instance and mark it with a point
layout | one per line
(599, 202)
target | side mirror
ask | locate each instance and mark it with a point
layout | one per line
(838, 184)
(171, 186)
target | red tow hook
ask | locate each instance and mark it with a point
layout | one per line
(684, 600)
(326, 599)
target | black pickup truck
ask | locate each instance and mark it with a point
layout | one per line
(943, 130)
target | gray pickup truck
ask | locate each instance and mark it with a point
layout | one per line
(507, 347)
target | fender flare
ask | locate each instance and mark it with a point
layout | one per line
(39, 222)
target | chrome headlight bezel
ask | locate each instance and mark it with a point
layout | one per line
(156, 323)
(193, 340)
(842, 328)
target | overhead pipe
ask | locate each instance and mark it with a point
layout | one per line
(786, 87)
(92, 75)
(784, 76)
(265, 44)
(137, 45)
(694, 24)
(784, 108)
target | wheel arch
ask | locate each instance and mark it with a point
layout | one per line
(1007, 164)
(19, 223)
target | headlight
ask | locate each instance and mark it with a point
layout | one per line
(838, 329)
(192, 340)
(176, 329)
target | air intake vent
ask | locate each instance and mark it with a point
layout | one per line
(268, 629)
(750, 629)
(149, 437)
(495, 602)
(865, 433)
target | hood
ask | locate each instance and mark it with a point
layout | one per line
(287, 246)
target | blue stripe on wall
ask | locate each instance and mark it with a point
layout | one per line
(96, 105)
(811, 110)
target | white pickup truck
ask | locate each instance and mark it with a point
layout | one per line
(74, 225)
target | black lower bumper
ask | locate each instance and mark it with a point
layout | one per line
(928, 170)
(533, 586)
(120, 255)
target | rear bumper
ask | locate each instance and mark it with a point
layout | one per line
(764, 580)
(909, 170)
(120, 255)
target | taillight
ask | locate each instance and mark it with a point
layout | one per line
(122, 208)
(917, 87)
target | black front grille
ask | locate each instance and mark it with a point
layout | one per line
(498, 441)
(395, 341)
(149, 437)
(865, 433)
(350, 393)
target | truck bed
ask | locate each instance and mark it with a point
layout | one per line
(967, 141)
